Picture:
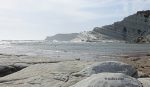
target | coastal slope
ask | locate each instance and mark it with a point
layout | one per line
(134, 28)
(62, 37)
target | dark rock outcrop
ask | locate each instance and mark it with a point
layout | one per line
(6, 70)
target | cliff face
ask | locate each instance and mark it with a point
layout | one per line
(134, 28)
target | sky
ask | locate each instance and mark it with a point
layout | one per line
(36, 19)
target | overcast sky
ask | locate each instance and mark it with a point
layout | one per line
(36, 19)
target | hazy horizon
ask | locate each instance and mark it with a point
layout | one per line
(36, 19)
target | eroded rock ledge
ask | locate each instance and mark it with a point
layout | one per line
(64, 74)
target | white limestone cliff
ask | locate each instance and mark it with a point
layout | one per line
(134, 28)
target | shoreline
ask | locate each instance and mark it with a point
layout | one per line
(140, 62)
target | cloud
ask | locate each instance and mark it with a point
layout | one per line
(35, 19)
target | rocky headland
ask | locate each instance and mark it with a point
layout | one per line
(62, 37)
(133, 29)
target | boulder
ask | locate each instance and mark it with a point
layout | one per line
(109, 80)
(145, 82)
(108, 66)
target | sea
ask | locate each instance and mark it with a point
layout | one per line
(73, 50)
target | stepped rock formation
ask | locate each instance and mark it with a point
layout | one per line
(134, 28)
(91, 36)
